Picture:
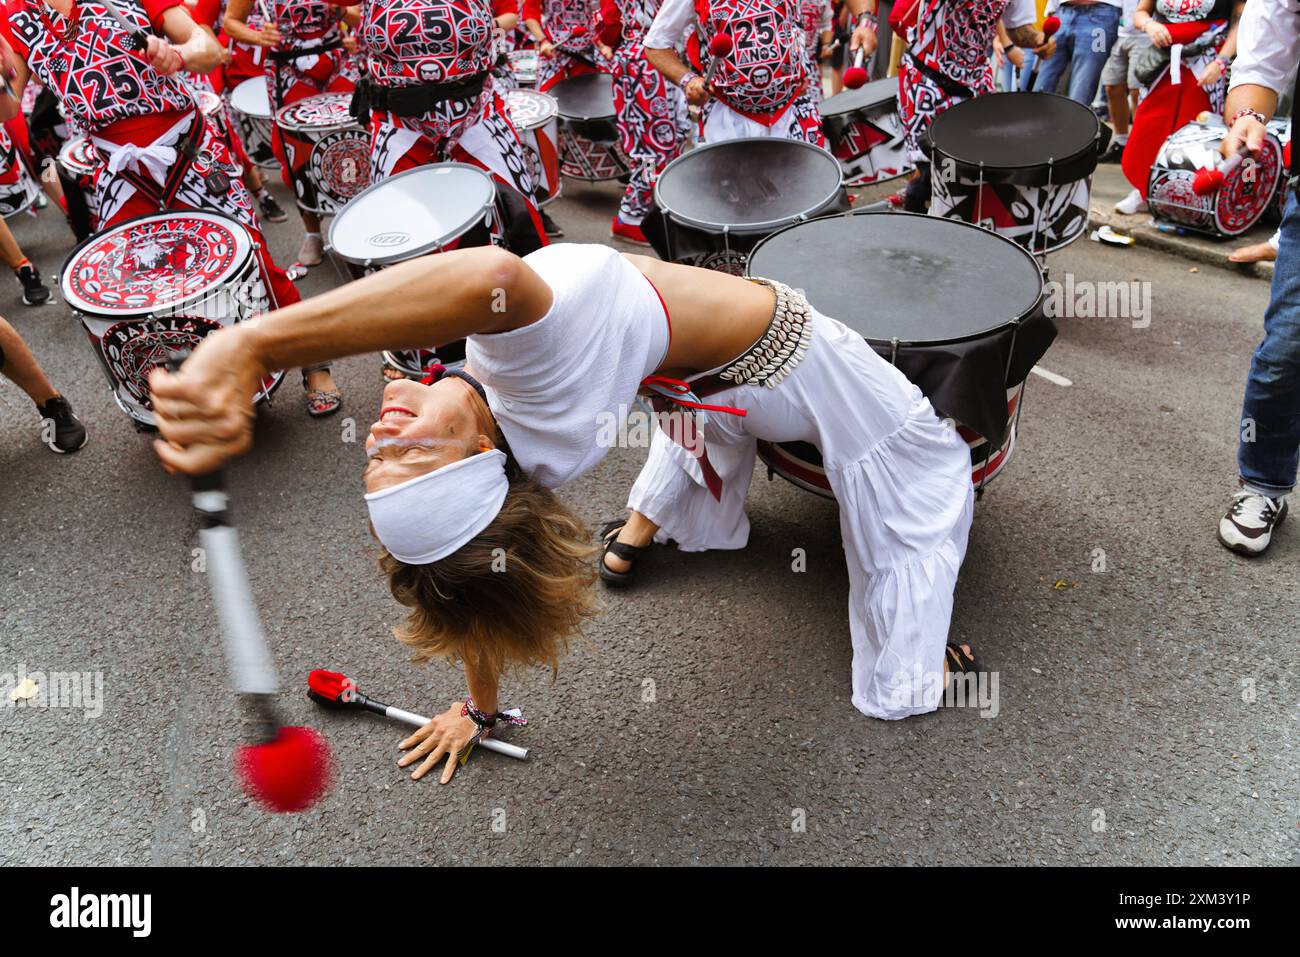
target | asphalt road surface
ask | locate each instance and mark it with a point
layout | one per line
(1147, 681)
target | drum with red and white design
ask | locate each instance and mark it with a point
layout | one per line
(1246, 194)
(1281, 128)
(523, 63)
(430, 209)
(159, 283)
(589, 138)
(865, 134)
(960, 311)
(18, 189)
(332, 150)
(81, 163)
(251, 104)
(534, 117)
(1020, 164)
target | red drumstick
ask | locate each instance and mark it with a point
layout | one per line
(719, 48)
(855, 76)
(1209, 179)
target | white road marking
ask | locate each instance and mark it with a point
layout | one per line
(1051, 376)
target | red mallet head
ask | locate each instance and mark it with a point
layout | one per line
(578, 31)
(1050, 26)
(288, 774)
(721, 44)
(855, 77)
(1207, 181)
(1286, 155)
(329, 687)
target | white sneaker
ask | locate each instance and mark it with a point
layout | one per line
(1132, 203)
(1248, 527)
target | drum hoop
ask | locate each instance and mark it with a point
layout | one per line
(1015, 320)
(347, 123)
(748, 228)
(1024, 174)
(425, 249)
(242, 237)
(550, 117)
(877, 105)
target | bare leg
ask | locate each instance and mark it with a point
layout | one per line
(21, 367)
(10, 251)
(638, 532)
(1117, 100)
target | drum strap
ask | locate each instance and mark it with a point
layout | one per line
(285, 56)
(186, 150)
(946, 83)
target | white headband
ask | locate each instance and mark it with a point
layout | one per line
(430, 516)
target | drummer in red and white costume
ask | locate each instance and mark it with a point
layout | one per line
(305, 56)
(563, 31)
(652, 123)
(816, 21)
(432, 99)
(761, 88)
(160, 152)
(948, 61)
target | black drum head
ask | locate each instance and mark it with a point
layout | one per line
(918, 279)
(1016, 131)
(748, 185)
(871, 95)
(586, 97)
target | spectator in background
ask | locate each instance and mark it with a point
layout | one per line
(1088, 31)
(1119, 77)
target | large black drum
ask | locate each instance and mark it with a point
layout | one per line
(957, 309)
(715, 203)
(865, 133)
(589, 138)
(1020, 164)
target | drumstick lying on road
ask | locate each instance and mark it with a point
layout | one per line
(285, 768)
(1208, 180)
(336, 691)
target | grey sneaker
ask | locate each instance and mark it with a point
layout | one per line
(1248, 527)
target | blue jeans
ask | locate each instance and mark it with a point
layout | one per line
(1083, 43)
(1271, 409)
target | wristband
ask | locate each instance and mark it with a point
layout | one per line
(685, 81)
(485, 721)
(182, 59)
(1248, 112)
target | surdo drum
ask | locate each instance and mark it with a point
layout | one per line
(524, 65)
(958, 310)
(534, 117)
(81, 162)
(425, 210)
(1020, 164)
(1247, 192)
(159, 283)
(864, 133)
(251, 105)
(330, 148)
(714, 203)
(589, 138)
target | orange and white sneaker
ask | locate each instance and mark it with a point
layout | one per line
(626, 231)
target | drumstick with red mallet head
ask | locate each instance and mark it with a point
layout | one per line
(720, 47)
(1208, 179)
(330, 689)
(139, 39)
(1050, 26)
(856, 76)
(285, 768)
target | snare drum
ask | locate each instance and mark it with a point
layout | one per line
(524, 65)
(714, 204)
(534, 118)
(80, 162)
(251, 104)
(864, 133)
(327, 150)
(958, 310)
(1019, 164)
(18, 188)
(424, 210)
(589, 138)
(158, 283)
(1246, 194)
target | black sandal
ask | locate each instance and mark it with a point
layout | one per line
(629, 553)
(960, 662)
